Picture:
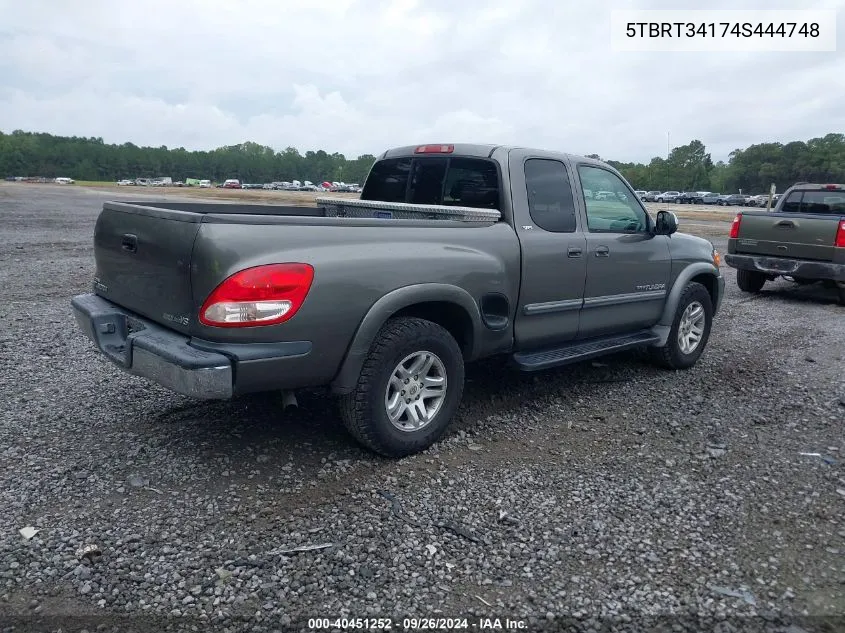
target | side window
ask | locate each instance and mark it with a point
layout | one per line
(793, 203)
(550, 201)
(388, 180)
(615, 210)
(471, 182)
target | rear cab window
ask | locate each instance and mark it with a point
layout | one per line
(551, 204)
(815, 202)
(453, 181)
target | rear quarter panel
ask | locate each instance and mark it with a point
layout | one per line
(354, 266)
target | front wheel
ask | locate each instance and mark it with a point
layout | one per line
(409, 388)
(690, 330)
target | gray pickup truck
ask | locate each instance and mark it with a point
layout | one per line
(802, 238)
(452, 253)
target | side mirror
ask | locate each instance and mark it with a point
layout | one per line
(666, 223)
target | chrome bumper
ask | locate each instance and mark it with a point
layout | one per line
(145, 349)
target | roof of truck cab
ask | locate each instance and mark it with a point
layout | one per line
(485, 150)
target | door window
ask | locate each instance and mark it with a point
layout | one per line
(617, 209)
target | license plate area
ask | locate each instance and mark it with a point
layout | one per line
(778, 265)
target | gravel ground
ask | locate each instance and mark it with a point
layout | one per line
(607, 495)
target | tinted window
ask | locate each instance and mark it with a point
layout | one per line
(618, 212)
(467, 182)
(822, 202)
(388, 180)
(550, 200)
(427, 180)
(471, 182)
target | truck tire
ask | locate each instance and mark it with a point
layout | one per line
(840, 289)
(414, 360)
(750, 280)
(690, 330)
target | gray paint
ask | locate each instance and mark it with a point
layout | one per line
(367, 270)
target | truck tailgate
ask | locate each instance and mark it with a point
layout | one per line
(796, 235)
(143, 259)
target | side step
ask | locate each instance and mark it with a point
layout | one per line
(581, 350)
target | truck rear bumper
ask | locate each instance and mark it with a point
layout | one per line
(192, 367)
(787, 266)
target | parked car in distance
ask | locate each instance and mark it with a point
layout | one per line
(205, 184)
(803, 239)
(651, 196)
(125, 183)
(699, 196)
(711, 198)
(668, 196)
(348, 296)
(232, 183)
(641, 194)
(757, 201)
(688, 197)
(732, 200)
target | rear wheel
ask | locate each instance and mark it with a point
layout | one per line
(690, 330)
(840, 289)
(750, 280)
(409, 388)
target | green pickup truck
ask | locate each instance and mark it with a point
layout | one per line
(802, 238)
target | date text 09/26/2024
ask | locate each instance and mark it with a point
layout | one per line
(417, 624)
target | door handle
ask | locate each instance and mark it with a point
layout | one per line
(602, 251)
(573, 251)
(129, 243)
(786, 223)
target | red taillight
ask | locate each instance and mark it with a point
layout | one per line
(832, 187)
(435, 149)
(840, 235)
(262, 295)
(735, 226)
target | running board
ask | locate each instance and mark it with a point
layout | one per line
(581, 350)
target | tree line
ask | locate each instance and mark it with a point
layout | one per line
(687, 168)
(753, 169)
(40, 154)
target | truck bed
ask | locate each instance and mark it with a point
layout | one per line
(161, 260)
(225, 208)
(326, 207)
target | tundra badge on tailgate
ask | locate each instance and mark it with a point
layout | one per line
(175, 318)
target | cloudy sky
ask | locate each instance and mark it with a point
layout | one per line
(359, 76)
